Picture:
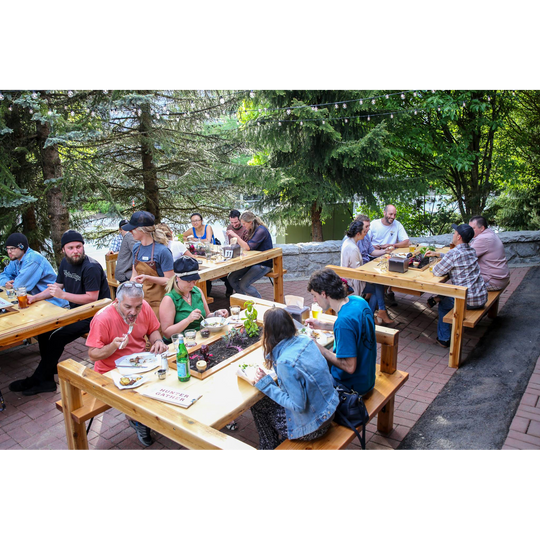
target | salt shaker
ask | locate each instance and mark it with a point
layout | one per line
(164, 362)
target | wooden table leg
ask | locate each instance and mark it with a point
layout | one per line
(457, 333)
(202, 286)
(278, 281)
(385, 417)
(72, 400)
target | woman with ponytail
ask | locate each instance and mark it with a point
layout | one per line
(152, 259)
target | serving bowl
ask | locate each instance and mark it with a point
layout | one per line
(214, 324)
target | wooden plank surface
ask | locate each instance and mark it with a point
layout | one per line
(473, 316)
(43, 317)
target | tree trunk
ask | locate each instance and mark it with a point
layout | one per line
(316, 223)
(30, 227)
(57, 210)
(150, 180)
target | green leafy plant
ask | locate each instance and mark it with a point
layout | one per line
(250, 322)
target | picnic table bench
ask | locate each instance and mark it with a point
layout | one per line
(472, 317)
(380, 402)
(85, 400)
(423, 282)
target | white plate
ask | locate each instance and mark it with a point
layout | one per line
(148, 362)
(118, 376)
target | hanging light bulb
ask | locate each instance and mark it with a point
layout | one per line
(301, 123)
(433, 91)
(361, 102)
(463, 104)
(336, 106)
(415, 111)
(439, 109)
(279, 123)
(258, 123)
(402, 96)
(192, 105)
(65, 107)
(387, 96)
(344, 105)
(157, 116)
(139, 112)
(259, 110)
(323, 121)
(373, 102)
(70, 93)
(221, 100)
(1, 96)
(34, 95)
(368, 118)
(392, 115)
(105, 92)
(316, 108)
(414, 94)
(92, 114)
(49, 113)
(31, 111)
(72, 113)
(489, 98)
(252, 94)
(288, 111)
(10, 108)
(207, 115)
(346, 121)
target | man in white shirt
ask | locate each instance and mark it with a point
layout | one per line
(388, 231)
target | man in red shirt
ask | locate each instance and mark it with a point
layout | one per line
(109, 340)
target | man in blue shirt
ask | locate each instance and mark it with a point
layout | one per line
(353, 360)
(28, 269)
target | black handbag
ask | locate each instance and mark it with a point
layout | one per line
(351, 412)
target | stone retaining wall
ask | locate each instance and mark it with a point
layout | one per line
(522, 248)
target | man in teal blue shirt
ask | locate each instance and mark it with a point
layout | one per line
(27, 268)
(353, 360)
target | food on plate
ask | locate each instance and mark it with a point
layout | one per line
(128, 381)
(138, 361)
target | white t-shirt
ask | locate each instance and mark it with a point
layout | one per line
(177, 249)
(382, 234)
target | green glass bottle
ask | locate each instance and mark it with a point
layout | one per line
(182, 361)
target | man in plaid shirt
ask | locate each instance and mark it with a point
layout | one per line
(461, 263)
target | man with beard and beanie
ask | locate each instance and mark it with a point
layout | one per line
(81, 280)
(109, 339)
(28, 268)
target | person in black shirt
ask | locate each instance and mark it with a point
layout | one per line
(81, 280)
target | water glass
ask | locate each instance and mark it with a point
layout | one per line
(235, 313)
(175, 338)
(190, 338)
(11, 294)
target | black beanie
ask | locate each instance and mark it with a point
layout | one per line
(17, 240)
(71, 236)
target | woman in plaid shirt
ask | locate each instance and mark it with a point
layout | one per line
(461, 264)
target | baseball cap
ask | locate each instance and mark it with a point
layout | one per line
(465, 231)
(187, 268)
(140, 219)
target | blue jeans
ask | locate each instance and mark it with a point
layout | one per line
(444, 330)
(241, 280)
(377, 296)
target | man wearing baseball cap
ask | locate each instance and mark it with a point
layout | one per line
(461, 264)
(116, 242)
(28, 268)
(81, 280)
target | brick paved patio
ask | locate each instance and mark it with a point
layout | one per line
(34, 423)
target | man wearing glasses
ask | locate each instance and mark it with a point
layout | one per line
(28, 268)
(110, 337)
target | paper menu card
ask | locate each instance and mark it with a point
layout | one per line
(164, 393)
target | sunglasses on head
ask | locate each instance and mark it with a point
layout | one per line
(129, 285)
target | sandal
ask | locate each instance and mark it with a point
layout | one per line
(431, 302)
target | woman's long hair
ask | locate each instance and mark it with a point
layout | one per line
(157, 234)
(278, 325)
(250, 217)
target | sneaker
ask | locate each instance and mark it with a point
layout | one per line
(431, 302)
(44, 386)
(442, 343)
(143, 433)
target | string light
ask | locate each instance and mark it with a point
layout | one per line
(167, 114)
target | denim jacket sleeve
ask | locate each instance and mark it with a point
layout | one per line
(8, 274)
(292, 392)
(29, 274)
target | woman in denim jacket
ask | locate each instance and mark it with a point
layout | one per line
(302, 405)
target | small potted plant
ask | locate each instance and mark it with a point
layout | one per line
(250, 322)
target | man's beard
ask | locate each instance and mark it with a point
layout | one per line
(75, 262)
(124, 317)
(237, 228)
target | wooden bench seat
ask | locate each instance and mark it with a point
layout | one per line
(380, 402)
(110, 265)
(474, 316)
(91, 407)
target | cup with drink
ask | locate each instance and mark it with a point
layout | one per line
(22, 297)
(316, 310)
(11, 294)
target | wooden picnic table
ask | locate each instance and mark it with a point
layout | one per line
(416, 282)
(225, 396)
(41, 317)
(209, 269)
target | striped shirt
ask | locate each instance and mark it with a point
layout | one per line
(461, 264)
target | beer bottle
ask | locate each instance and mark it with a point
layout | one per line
(182, 361)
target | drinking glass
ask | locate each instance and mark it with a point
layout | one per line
(316, 310)
(11, 293)
(235, 313)
(175, 338)
(190, 338)
(22, 297)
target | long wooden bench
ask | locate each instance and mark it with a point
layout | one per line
(473, 316)
(380, 402)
